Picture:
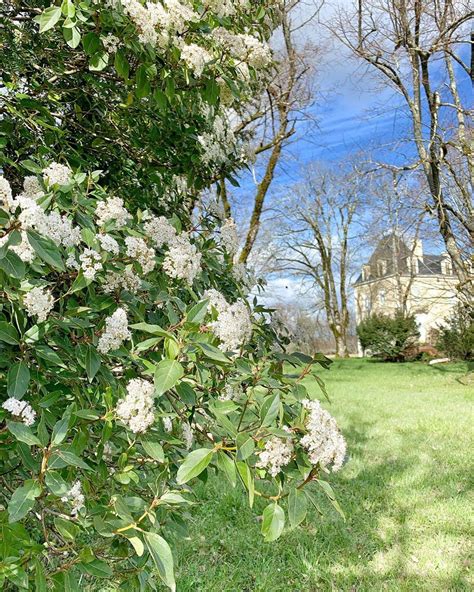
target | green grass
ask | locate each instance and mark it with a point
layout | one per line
(405, 492)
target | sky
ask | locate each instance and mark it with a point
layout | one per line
(356, 113)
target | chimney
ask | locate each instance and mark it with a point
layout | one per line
(446, 266)
(365, 272)
(417, 248)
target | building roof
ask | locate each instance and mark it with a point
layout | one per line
(392, 255)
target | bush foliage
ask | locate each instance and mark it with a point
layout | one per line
(388, 337)
(131, 362)
(456, 339)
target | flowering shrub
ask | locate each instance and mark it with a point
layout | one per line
(131, 362)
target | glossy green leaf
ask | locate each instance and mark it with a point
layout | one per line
(297, 506)
(23, 500)
(48, 18)
(46, 250)
(23, 433)
(8, 333)
(161, 554)
(93, 362)
(273, 522)
(194, 464)
(17, 380)
(167, 374)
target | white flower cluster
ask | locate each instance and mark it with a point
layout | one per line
(24, 250)
(108, 243)
(90, 263)
(116, 332)
(167, 424)
(277, 454)
(195, 57)
(125, 280)
(32, 187)
(244, 47)
(225, 7)
(5, 193)
(218, 143)
(136, 409)
(55, 226)
(112, 209)
(324, 442)
(159, 230)
(21, 410)
(170, 17)
(183, 260)
(39, 302)
(188, 435)
(233, 325)
(229, 236)
(75, 497)
(230, 392)
(111, 43)
(57, 174)
(138, 249)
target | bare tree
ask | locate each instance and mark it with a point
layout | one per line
(420, 48)
(316, 221)
(272, 120)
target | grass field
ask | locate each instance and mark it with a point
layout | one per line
(405, 491)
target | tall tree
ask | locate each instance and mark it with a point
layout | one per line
(419, 49)
(317, 221)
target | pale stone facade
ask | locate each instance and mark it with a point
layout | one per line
(398, 277)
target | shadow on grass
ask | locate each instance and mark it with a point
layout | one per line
(372, 551)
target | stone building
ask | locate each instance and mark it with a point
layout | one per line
(399, 276)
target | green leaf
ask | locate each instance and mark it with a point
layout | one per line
(331, 497)
(48, 18)
(194, 464)
(22, 500)
(96, 568)
(198, 312)
(137, 545)
(92, 362)
(153, 449)
(161, 554)
(8, 333)
(245, 446)
(273, 522)
(40, 578)
(72, 36)
(65, 457)
(47, 353)
(90, 43)
(46, 250)
(121, 64)
(297, 507)
(12, 265)
(167, 374)
(248, 480)
(143, 88)
(213, 353)
(18, 379)
(98, 62)
(227, 466)
(55, 483)
(60, 429)
(23, 433)
(269, 410)
(153, 329)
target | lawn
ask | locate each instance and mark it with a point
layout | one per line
(405, 491)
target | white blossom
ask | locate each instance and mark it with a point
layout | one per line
(188, 435)
(195, 57)
(5, 193)
(138, 249)
(57, 174)
(20, 409)
(111, 43)
(24, 250)
(233, 326)
(116, 332)
(216, 299)
(217, 143)
(112, 209)
(108, 243)
(277, 454)
(75, 497)
(160, 231)
(167, 424)
(125, 280)
(324, 442)
(39, 302)
(229, 236)
(32, 187)
(183, 260)
(136, 409)
(90, 263)
(71, 262)
(230, 392)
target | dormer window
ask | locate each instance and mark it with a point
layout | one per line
(382, 267)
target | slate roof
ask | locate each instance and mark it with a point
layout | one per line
(393, 250)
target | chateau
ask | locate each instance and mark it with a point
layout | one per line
(399, 276)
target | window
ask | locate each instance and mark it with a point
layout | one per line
(367, 304)
(382, 267)
(382, 297)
